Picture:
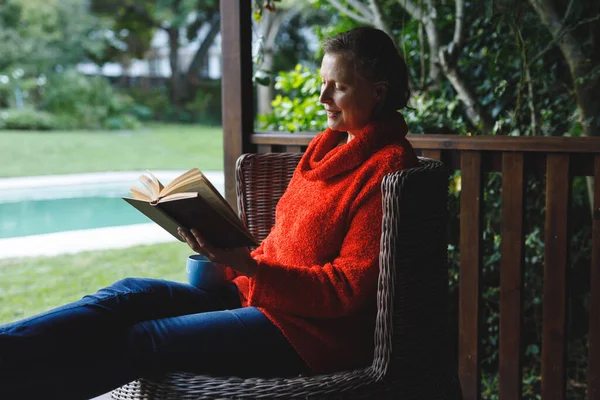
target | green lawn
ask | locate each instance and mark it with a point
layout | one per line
(32, 285)
(154, 146)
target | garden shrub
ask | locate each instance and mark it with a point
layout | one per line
(154, 99)
(26, 119)
(297, 108)
(205, 107)
(87, 102)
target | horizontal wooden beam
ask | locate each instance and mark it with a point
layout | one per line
(283, 138)
(558, 144)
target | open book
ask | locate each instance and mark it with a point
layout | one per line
(190, 201)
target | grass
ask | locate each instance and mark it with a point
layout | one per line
(32, 285)
(155, 146)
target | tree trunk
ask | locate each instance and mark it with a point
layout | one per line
(269, 28)
(264, 93)
(446, 57)
(475, 111)
(193, 72)
(175, 80)
(434, 46)
(586, 85)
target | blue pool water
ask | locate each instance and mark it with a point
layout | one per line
(34, 217)
(38, 210)
(39, 205)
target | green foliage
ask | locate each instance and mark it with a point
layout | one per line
(80, 101)
(297, 109)
(27, 119)
(204, 108)
(39, 35)
(260, 6)
(338, 23)
(154, 99)
(133, 25)
(435, 113)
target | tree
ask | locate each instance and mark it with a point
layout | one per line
(581, 52)
(178, 18)
(282, 45)
(37, 36)
(442, 57)
(576, 37)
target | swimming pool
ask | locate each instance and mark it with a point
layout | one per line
(41, 205)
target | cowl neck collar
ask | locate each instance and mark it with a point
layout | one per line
(324, 159)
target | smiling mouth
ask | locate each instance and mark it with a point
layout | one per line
(331, 114)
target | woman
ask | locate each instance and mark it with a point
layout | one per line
(303, 302)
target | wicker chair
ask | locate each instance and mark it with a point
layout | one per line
(412, 358)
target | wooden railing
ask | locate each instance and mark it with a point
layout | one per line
(559, 159)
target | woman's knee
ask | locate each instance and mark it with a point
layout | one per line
(136, 284)
(124, 287)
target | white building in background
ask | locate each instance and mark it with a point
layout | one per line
(156, 63)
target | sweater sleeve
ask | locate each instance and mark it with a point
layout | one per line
(336, 289)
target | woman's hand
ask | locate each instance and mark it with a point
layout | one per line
(238, 258)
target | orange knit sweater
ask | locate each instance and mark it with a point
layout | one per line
(318, 268)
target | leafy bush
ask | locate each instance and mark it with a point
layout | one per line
(154, 99)
(205, 107)
(85, 102)
(440, 113)
(27, 119)
(298, 108)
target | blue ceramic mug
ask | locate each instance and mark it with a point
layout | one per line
(203, 273)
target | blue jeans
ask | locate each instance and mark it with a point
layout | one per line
(139, 328)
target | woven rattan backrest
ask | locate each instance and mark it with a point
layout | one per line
(413, 281)
(261, 180)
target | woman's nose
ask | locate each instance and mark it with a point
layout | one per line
(324, 97)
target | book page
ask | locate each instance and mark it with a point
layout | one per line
(177, 196)
(150, 189)
(157, 186)
(182, 183)
(140, 194)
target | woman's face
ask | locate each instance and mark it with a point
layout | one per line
(349, 99)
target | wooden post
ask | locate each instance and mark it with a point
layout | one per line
(594, 332)
(511, 277)
(556, 246)
(237, 88)
(471, 260)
